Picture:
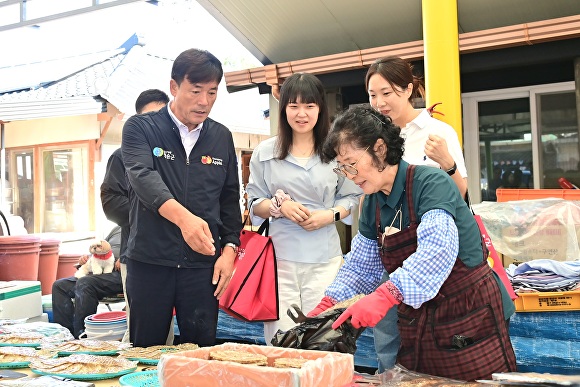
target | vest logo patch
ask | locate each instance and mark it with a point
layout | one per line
(159, 152)
(211, 160)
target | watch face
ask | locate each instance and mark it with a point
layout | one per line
(336, 216)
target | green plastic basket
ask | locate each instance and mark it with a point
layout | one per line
(140, 379)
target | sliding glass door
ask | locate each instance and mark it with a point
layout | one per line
(520, 138)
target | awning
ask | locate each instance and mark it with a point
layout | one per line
(32, 110)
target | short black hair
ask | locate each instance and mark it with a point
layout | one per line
(361, 127)
(148, 96)
(197, 66)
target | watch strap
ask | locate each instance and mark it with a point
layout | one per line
(451, 171)
(233, 246)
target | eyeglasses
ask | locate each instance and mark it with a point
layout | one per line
(342, 170)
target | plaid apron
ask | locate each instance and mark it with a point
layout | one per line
(461, 333)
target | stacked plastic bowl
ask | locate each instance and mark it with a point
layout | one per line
(106, 326)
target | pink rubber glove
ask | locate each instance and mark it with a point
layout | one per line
(369, 310)
(326, 303)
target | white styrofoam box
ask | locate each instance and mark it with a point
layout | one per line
(42, 318)
(20, 299)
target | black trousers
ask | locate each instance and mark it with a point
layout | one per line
(86, 292)
(154, 291)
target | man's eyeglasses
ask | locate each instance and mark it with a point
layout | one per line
(342, 170)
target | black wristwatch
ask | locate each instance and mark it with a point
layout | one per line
(452, 170)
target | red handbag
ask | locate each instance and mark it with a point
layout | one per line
(252, 294)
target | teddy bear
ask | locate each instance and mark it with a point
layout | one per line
(100, 261)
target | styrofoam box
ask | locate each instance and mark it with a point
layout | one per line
(20, 299)
(42, 318)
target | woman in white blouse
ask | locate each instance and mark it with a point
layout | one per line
(302, 196)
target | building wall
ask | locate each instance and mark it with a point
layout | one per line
(51, 130)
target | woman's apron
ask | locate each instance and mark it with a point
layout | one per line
(461, 333)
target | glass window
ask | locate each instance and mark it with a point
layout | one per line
(65, 205)
(558, 129)
(49, 187)
(505, 145)
(20, 169)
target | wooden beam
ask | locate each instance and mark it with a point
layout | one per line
(486, 40)
(103, 133)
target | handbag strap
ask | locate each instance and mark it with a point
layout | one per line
(264, 227)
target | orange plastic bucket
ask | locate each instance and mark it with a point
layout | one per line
(19, 257)
(66, 265)
(48, 264)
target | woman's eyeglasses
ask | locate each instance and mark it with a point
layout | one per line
(342, 170)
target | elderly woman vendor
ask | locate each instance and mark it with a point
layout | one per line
(453, 310)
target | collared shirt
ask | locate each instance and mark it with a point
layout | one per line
(445, 220)
(416, 134)
(312, 184)
(420, 277)
(188, 138)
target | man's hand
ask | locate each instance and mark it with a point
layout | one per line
(223, 271)
(118, 265)
(194, 230)
(294, 211)
(83, 259)
(197, 235)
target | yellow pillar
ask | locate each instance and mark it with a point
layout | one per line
(441, 45)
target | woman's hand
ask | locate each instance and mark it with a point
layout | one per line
(318, 219)
(294, 211)
(436, 149)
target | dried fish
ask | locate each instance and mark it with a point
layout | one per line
(155, 352)
(83, 364)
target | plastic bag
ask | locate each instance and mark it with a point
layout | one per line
(399, 376)
(526, 230)
(53, 333)
(316, 333)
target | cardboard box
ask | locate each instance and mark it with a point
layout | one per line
(506, 261)
(193, 368)
(557, 242)
(526, 230)
(42, 318)
(20, 299)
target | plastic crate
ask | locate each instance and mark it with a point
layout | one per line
(506, 194)
(548, 301)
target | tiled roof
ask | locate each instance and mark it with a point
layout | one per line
(45, 91)
(138, 71)
(31, 76)
(84, 84)
(79, 84)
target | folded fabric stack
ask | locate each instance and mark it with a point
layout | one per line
(545, 275)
